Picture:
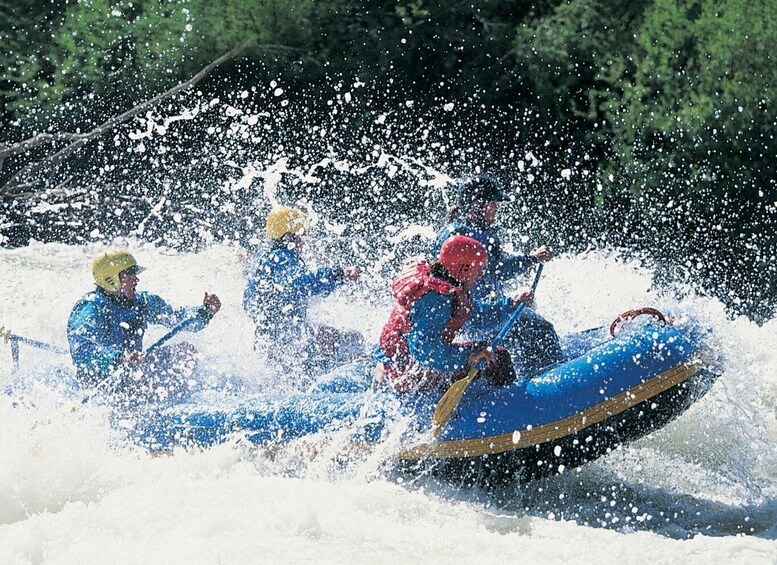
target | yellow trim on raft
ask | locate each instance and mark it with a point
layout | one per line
(548, 432)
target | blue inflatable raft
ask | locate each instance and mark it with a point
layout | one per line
(606, 395)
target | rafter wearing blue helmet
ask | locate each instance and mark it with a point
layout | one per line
(533, 341)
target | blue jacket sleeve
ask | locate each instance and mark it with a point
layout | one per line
(309, 283)
(487, 313)
(430, 315)
(509, 266)
(87, 337)
(282, 272)
(252, 290)
(158, 311)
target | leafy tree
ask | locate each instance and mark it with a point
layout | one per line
(668, 104)
(699, 110)
(691, 111)
(25, 29)
(108, 54)
(563, 49)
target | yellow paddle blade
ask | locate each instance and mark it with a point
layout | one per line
(449, 401)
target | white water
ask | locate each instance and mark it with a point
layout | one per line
(70, 493)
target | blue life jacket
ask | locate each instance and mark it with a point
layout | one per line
(280, 286)
(501, 266)
(103, 327)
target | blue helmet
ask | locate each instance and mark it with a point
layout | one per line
(480, 188)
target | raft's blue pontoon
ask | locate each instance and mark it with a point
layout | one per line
(610, 394)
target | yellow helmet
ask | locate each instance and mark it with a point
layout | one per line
(107, 265)
(281, 221)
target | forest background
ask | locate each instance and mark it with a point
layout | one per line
(644, 126)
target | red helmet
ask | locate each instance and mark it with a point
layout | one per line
(463, 257)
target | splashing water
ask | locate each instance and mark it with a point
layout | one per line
(73, 492)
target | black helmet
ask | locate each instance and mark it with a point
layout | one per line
(480, 188)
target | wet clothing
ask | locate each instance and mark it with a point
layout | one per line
(417, 347)
(533, 341)
(104, 327)
(276, 298)
(280, 285)
(168, 375)
(501, 265)
(409, 289)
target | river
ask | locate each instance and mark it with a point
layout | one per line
(701, 490)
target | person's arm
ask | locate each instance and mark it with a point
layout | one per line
(258, 287)
(158, 311)
(508, 266)
(294, 275)
(430, 315)
(492, 309)
(503, 265)
(87, 332)
(500, 264)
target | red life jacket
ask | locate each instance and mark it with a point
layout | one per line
(410, 285)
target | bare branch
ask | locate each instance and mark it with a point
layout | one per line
(38, 140)
(489, 26)
(83, 139)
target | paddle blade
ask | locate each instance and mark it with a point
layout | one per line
(449, 401)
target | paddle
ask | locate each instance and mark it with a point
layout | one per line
(450, 400)
(6, 335)
(15, 340)
(165, 338)
(158, 343)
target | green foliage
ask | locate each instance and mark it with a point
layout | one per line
(107, 54)
(24, 35)
(698, 112)
(662, 93)
(665, 101)
(569, 53)
(278, 28)
(557, 52)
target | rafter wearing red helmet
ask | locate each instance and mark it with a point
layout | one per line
(418, 352)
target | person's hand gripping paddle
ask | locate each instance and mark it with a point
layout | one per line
(450, 400)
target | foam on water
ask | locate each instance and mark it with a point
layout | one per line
(72, 492)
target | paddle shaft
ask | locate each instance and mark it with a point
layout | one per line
(39, 344)
(15, 340)
(514, 318)
(158, 343)
(165, 338)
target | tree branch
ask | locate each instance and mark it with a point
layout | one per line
(83, 139)
(38, 140)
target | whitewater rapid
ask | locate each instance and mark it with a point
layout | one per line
(703, 489)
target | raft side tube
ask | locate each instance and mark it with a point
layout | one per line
(605, 372)
(263, 419)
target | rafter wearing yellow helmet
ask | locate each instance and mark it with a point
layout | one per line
(278, 293)
(107, 265)
(106, 328)
(285, 220)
